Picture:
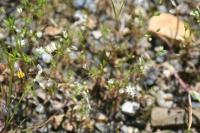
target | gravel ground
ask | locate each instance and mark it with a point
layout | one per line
(81, 66)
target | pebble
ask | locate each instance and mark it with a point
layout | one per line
(130, 108)
(127, 129)
(101, 117)
(103, 128)
(47, 58)
(164, 99)
(4, 111)
(183, 8)
(91, 5)
(88, 4)
(41, 94)
(139, 11)
(39, 108)
(52, 31)
(3, 34)
(143, 3)
(56, 105)
(160, 59)
(80, 16)
(97, 34)
(79, 3)
(67, 126)
(162, 9)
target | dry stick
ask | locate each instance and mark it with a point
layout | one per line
(35, 127)
(182, 83)
(189, 112)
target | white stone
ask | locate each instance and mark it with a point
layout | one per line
(46, 58)
(97, 34)
(130, 107)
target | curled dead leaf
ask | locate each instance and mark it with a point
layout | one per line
(169, 26)
(56, 121)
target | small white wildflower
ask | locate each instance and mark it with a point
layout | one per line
(65, 35)
(51, 47)
(39, 34)
(19, 10)
(74, 47)
(18, 30)
(21, 42)
(149, 39)
(131, 90)
(160, 48)
(68, 50)
(107, 53)
(31, 31)
(111, 81)
(121, 91)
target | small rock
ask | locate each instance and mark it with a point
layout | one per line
(97, 34)
(3, 34)
(160, 59)
(91, 22)
(130, 108)
(163, 117)
(81, 18)
(102, 127)
(52, 31)
(183, 8)
(2, 125)
(56, 105)
(3, 110)
(2, 78)
(162, 9)
(41, 94)
(67, 126)
(79, 3)
(40, 108)
(47, 58)
(139, 11)
(101, 117)
(143, 3)
(164, 99)
(91, 5)
(2, 67)
(127, 129)
(195, 104)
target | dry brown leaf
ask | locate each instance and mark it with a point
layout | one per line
(56, 121)
(52, 31)
(166, 25)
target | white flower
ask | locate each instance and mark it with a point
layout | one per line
(111, 81)
(51, 47)
(19, 10)
(131, 90)
(65, 35)
(121, 91)
(39, 34)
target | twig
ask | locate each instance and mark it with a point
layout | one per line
(35, 127)
(189, 112)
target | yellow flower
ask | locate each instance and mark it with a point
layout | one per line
(20, 74)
